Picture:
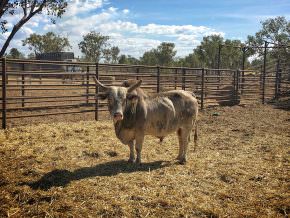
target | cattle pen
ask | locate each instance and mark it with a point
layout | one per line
(65, 164)
(32, 89)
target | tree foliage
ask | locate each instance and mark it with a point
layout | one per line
(162, 55)
(94, 46)
(276, 31)
(27, 9)
(111, 55)
(50, 42)
(15, 53)
(128, 59)
(149, 58)
(207, 51)
(191, 60)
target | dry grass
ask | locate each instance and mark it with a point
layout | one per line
(240, 169)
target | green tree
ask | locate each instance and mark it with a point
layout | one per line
(162, 55)
(27, 9)
(149, 58)
(231, 54)
(124, 59)
(31, 55)
(191, 60)
(15, 53)
(276, 31)
(111, 55)
(207, 51)
(50, 42)
(165, 53)
(94, 46)
(115, 51)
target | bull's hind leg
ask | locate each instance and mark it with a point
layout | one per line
(183, 137)
(180, 152)
(132, 153)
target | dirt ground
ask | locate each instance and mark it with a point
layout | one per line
(239, 169)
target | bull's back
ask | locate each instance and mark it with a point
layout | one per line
(184, 102)
(169, 111)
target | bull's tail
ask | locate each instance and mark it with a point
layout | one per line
(194, 95)
(195, 136)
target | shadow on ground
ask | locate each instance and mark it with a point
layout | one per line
(283, 103)
(57, 178)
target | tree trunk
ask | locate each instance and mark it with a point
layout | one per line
(12, 34)
(16, 28)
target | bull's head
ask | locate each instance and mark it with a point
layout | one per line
(118, 98)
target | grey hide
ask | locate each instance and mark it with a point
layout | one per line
(136, 114)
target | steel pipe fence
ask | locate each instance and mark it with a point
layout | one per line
(33, 88)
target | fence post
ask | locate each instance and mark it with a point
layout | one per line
(4, 68)
(218, 66)
(158, 79)
(137, 72)
(23, 85)
(183, 78)
(175, 79)
(64, 75)
(244, 49)
(97, 92)
(87, 84)
(202, 89)
(277, 82)
(237, 85)
(264, 73)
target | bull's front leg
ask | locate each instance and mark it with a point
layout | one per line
(132, 153)
(138, 146)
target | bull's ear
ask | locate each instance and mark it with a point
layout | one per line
(102, 96)
(134, 86)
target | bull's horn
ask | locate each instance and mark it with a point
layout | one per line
(99, 83)
(134, 86)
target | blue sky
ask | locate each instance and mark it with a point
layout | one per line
(137, 26)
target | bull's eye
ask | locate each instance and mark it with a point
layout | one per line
(110, 100)
(129, 97)
(132, 97)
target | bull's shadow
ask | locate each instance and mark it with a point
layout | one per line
(57, 178)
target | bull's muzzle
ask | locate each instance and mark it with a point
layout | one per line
(118, 116)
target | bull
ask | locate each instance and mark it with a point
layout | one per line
(135, 114)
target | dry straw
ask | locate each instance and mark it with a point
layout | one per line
(240, 169)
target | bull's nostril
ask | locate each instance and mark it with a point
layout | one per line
(118, 115)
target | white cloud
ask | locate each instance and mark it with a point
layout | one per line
(112, 9)
(76, 7)
(135, 46)
(83, 16)
(126, 11)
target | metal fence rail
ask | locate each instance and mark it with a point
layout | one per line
(32, 88)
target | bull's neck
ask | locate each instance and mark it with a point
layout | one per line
(129, 119)
(118, 127)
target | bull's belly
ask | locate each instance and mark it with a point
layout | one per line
(161, 130)
(160, 134)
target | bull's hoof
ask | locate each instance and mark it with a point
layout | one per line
(130, 160)
(182, 161)
(138, 161)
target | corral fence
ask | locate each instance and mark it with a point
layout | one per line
(41, 89)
